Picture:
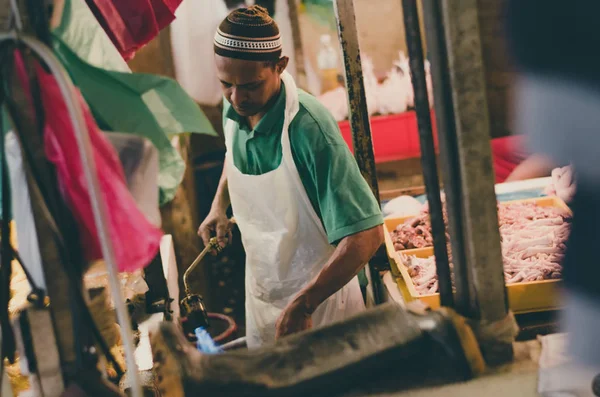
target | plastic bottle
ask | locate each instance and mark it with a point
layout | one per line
(327, 60)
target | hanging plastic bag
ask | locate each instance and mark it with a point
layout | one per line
(142, 104)
(393, 93)
(336, 101)
(129, 24)
(75, 24)
(139, 159)
(371, 84)
(192, 36)
(403, 64)
(133, 23)
(283, 21)
(135, 240)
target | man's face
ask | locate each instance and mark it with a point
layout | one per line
(248, 85)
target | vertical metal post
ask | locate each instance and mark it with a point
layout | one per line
(428, 160)
(470, 149)
(481, 230)
(359, 114)
(298, 49)
(357, 101)
(444, 113)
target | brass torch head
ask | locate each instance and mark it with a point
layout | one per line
(214, 244)
(192, 305)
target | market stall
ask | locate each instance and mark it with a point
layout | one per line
(467, 269)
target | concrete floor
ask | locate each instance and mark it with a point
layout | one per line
(521, 384)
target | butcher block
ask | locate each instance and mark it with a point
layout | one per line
(523, 297)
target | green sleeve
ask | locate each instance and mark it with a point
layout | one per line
(340, 195)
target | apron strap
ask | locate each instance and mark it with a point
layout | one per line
(292, 105)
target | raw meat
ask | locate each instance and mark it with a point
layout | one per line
(533, 244)
(416, 232)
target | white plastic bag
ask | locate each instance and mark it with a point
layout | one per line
(371, 84)
(192, 35)
(336, 102)
(394, 92)
(27, 237)
(139, 159)
(282, 18)
(402, 206)
(403, 64)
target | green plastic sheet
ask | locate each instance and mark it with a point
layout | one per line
(151, 106)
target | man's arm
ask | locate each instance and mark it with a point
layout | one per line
(351, 254)
(535, 166)
(221, 201)
(216, 222)
(342, 199)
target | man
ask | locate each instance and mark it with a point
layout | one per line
(309, 221)
(514, 162)
(558, 106)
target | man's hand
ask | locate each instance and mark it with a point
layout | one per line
(563, 183)
(217, 224)
(349, 257)
(295, 317)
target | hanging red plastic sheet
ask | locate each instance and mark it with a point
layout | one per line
(135, 240)
(164, 11)
(131, 24)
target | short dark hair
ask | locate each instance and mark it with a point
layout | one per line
(271, 64)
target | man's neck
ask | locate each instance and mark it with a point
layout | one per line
(255, 119)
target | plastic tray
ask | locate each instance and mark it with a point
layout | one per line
(395, 137)
(522, 297)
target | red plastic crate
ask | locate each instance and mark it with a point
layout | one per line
(395, 137)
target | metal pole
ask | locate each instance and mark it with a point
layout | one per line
(359, 114)
(428, 161)
(357, 101)
(96, 200)
(298, 49)
(479, 206)
(446, 129)
(488, 302)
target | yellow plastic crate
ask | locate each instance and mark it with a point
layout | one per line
(522, 297)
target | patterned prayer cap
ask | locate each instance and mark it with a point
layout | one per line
(250, 34)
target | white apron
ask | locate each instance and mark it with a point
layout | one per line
(285, 242)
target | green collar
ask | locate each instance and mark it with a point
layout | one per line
(269, 120)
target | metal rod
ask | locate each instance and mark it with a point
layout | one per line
(212, 245)
(446, 128)
(98, 206)
(359, 114)
(16, 15)
(428, 160)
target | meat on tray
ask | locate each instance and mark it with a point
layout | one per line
(414, 233)
(533, 244)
